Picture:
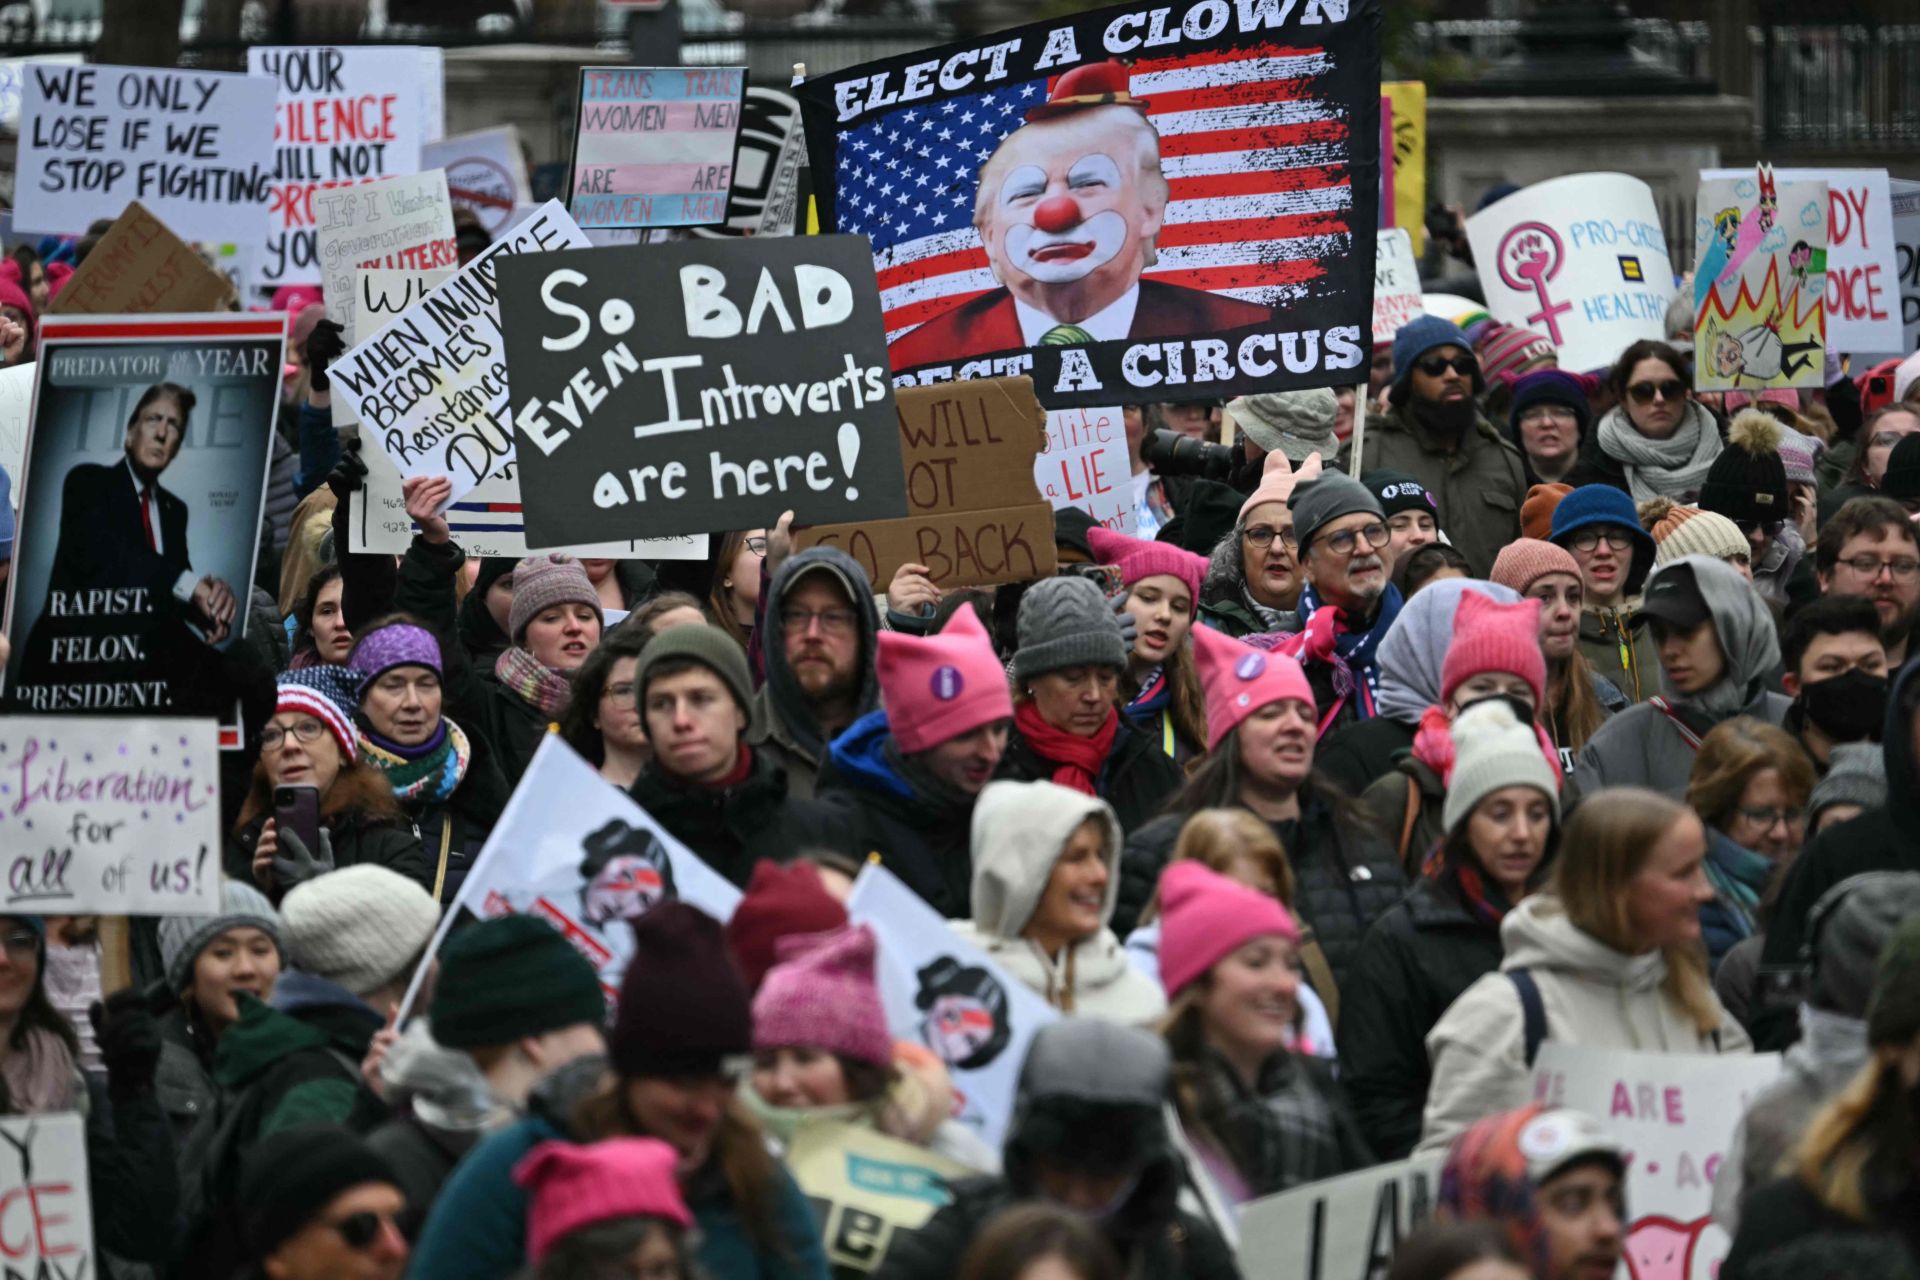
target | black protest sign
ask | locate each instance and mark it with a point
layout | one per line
(699, 386)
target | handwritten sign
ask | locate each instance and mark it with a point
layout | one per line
(1084, 464)
(1344, 1228)
(1906, 234)
(110, 815)
(1759, 283)
(49, 1210)
(345, 115)
(196, 147)
(654, 146)
(971, 451)
(405, 223)
(486, 173)
(1396, 284)
(141, 268)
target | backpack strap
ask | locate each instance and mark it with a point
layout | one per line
(1533, 1010)
(1406, 824)
(1319, 974)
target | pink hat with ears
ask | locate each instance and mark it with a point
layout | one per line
(571, 1186)
(1279, 479)
(1137, 559)
(1490, 636)
(941, 686)
(1239, 680)
(1204, 917)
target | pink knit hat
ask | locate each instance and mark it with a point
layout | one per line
(1525, 561)
(941, 686)
(821, 994)
(1490, 636)
(1239, 680)
(1279, 479)
(571, 1185)
(1205, 916)
(1138, 559)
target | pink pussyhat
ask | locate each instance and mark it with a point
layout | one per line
(1490, 636)
(1278, 480)
(1205, 917)
(822, 994)
(1239, 680)
(941, 686)
(1137, 559)
(573, 1185)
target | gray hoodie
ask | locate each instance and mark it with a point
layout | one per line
(787, 732)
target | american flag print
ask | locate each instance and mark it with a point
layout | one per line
(1268, 136)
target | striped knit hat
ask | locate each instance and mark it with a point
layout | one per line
(1507, 351)
(326, 693)
(1688, 531)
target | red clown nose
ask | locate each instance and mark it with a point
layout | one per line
(1056, 213)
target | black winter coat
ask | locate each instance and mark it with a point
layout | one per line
(1414, 962)
(925, 840)
(356, 838)
(1356, 754)
(1137, 780)
(131, 1175)
(461, 823)
(1786, 1212)
(731, 828)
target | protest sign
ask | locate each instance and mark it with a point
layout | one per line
(1196, 225)
(768, 159)
(43, 1181)
(864, 1187)
(139, 507)
(1084, 464)
(1759, 283)
(405, 223)
(700, 385)
(1906, 234)
(585, 858)
(1448, 305)
(654, 146)
(16, 402)
(1863, 298)
(110, 815)
(196, 147)
(433, 94)
(379, 294)
(971, 455)
(942, 991)
(139, 267)
(1396, 284)
(486, 172)
(345, 115)
(1344, 1228)
(1404, 106)
(1580, 259)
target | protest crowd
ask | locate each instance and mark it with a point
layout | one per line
(1404, 790)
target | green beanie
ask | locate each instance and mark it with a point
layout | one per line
(501, 980)
(710, 647)
(1893, 1011)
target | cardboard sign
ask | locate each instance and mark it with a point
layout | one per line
(947, 994)
(486, 172)
(110, 815)
(43, 1180)
(141, 268)
(196, 147)
(865, 1187)
(701, 385)
(1906, 234)
(404, 223)
(1863, 300)
(1126, 206)
(583, 857)
(345, 115)
(139, 506)
(1674, 1114)
(971, 453)
(1580, 259)
(1403, 109)
(1759, 283)
(1396, 284)
(654, 146)
(1084, 464)
(431, 386)
(1344, 1228)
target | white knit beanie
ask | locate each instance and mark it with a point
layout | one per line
(1699, 533)
(1491, 750)
(361, 926)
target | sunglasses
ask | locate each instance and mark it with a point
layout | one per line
(360, 1230)
(1435, 366)
(1644, 392)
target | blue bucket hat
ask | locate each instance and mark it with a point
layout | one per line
(1604, 504)
(1417, 337)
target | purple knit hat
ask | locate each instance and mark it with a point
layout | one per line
(401, 644)
(822, 995)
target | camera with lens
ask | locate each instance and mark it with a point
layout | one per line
(1170, 453)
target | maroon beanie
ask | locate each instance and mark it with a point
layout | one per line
(780, 900)
(683, 1009)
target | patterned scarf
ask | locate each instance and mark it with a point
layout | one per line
(1356, 673)
(1156, 694)
(1738, 876)
(1485, 902)
(1076, 761)
(539, 685)
(422, 775)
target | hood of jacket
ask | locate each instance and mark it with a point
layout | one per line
(1414, 651)
(306, 1013)
(790, 718)
(1748, 641)
(1538, 935)
(444, 1086)
(1018, 833)
(1831, 1049)
(860, 756)
(1896, 738)
(1226, 568)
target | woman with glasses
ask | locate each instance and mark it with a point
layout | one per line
(1884, 428)
(602, 720)
(1657, 442)
(1598, 525)
(1253, 574)
(1750, 786)
(1548, 422)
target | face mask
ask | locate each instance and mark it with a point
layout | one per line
(1850, 707)
(1522, 713)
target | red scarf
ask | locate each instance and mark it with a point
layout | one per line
(1076, 760)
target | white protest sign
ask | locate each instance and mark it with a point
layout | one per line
(431, 387)
(582, 856)
(1344, 1228)
(1581, 259)
(1396, 283)
(945, 993)
(1674, 1115)
(379, 294)
(16, 403)
(110, 815)
(345, 115)
(486, 172)
(195, 147)
(1084, 465)
(433, 94)
(1906, 236)
(49, 1208)
(405, 223)
(1448, 305)
(1863, 298)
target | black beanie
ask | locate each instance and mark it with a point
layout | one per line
(1902, 478)
(291, 1176)
(1748, 481)
(1070, 526)
(1208, 514)
(684, 1008)
(1400, 492)
(504, 979)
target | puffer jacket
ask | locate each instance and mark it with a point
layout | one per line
(1478, 482)
(731, 828)
(1018, 833)
(787, 731)
(364, 828)
(1594, 997)
(920, 837)
(183, 1082)
(1137, 778)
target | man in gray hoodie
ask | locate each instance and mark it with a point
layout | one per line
(816, 644)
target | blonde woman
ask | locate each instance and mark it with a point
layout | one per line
(1608, 957)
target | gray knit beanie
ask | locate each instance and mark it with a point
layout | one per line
(540, 582)
(707, 645)
(360, 926)
(183, 938)
(1296, 423)
(1319, 503)
(1066, 622)
(1856, 774)
(1847, 929)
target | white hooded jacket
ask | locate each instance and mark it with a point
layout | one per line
(1019, 829)
(1593, 995)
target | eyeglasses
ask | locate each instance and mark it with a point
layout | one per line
(361, 1230)
(757, 545)
(1748, 528)
(621, 692)
(1765, 818)
(1547, 413)
(303, 731)
(835, 622)
(1588, 539)
(1901, 567)
(1644, 392)
(1343, 543)
(21, 942)
(1435, 366)
(1263, 535)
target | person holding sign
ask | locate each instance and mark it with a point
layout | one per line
(1162, 687)
(554, 623)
